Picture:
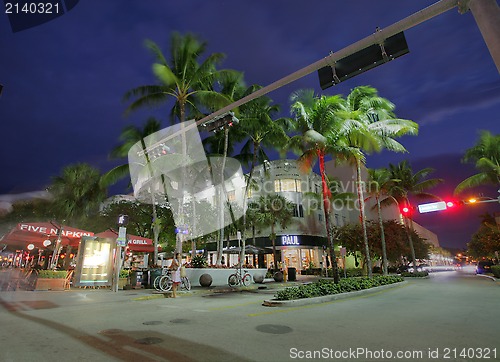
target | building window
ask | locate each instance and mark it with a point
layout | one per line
(298, 211)
(287, 185)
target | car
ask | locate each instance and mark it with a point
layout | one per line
(484, 266)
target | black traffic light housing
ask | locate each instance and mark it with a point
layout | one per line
(363, 60)
(219, 123)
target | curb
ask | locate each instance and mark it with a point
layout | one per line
(328, 298)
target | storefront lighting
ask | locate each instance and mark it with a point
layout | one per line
(47, 242)
(31, 246)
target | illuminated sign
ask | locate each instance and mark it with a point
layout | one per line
(94, 266)
(433, 206)
(289, 240)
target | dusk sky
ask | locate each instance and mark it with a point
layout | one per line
(64, 81)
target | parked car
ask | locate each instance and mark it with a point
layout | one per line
(484, 266)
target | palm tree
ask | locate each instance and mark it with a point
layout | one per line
(184, 79)
(414, 184)
(129, 137)
(369, 125)
(317, 125)
(382, 181)
(486, 155)
(272, 210)
(232, 88)
(78, 192)
(258, 127)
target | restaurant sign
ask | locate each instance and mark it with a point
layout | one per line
(290, 240)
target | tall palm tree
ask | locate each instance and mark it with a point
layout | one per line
(129, 137)
(317, 125)
(486, 155)
(221, 142)
(259, 129)
(78, 192)
(272, 210)
(185, 78)
(369, 125)
(380, 182)
(411, 184)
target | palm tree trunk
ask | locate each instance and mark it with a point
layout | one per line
(273, 239)
(382, 237)
(362, 218)
(326, 209)
(245, 196)
(409, 228)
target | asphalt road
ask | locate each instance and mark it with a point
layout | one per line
(452, 316)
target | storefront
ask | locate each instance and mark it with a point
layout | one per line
(297, 251)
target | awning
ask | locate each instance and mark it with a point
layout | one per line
(249, 249)
(37, 232)
(134, 242)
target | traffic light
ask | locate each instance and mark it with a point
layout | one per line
(221, 122)
(406, 210)
(363, 60)
(450, 204)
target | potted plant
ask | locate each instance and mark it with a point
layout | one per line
(52, 280)
(123, 278)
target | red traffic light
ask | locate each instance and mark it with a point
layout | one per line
(406, 210)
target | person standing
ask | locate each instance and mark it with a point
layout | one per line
(176, 275)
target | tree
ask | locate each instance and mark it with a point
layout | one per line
(129, 137)
(381, 179)
(185, 78)
(272, 210)
(258, 127)
(369, 125)
(78, 193)
(486, 241)
(315, 120)
(414, 184)
(486, 156)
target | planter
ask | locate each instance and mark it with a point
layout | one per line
(122, 282)
(50, 284)
(219, 276)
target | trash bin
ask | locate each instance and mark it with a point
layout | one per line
(153, 274)
(136, 278)
(292, 274)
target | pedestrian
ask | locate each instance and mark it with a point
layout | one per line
(176, 275)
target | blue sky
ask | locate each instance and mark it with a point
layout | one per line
(64, 80)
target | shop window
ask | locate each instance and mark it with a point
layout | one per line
(231, 196)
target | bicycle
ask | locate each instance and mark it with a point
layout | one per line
(163, 282)
(238, 279)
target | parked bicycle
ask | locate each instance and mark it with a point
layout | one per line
(163, 283)
(239, 278)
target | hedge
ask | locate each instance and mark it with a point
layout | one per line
(327, 287)
(495, 269)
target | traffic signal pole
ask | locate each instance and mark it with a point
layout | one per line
(485, 12)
